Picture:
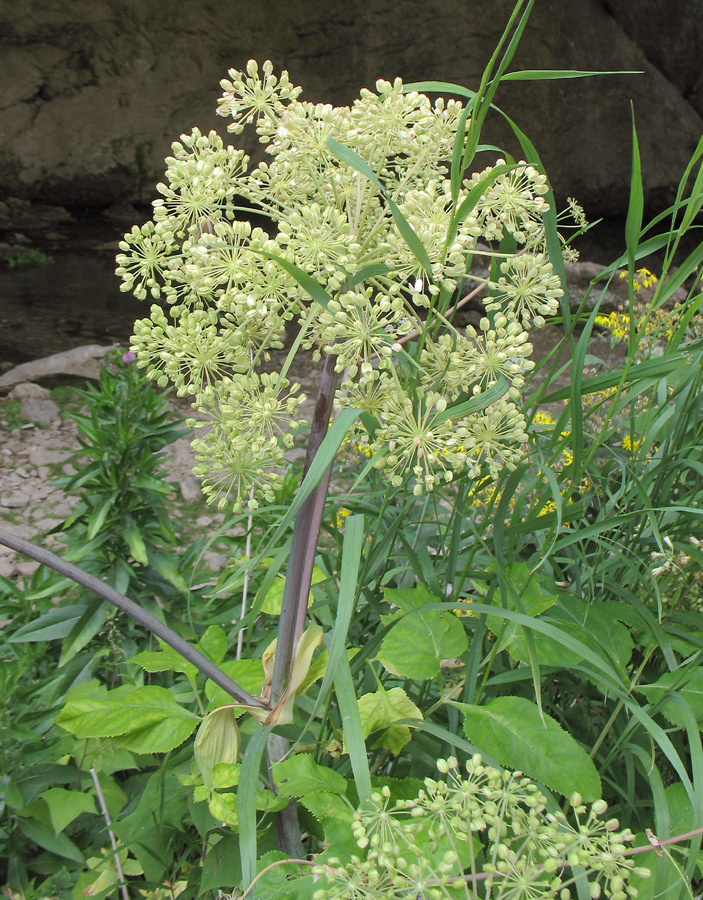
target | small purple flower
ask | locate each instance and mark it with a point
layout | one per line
(128, 357)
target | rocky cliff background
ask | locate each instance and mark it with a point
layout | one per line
(92, 92)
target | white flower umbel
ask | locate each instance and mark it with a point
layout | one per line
(226, 291)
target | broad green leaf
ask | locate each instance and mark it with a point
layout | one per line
(300, 774)
(59, 844)
(65, 806)
(593, 626)
(217, 741)
(160, 737)
(225, 775)
(165, 660)
(273, 599)
(53, 625)
(214, 643)
(380, 711)
(419, 641)
(511, 730)
(688, 685)
(224, 808)
(328, 805)
(145, 720)
(248, 673)
(531, 600)
(278, 882)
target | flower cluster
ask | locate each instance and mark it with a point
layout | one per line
(358, 200)
(487, 828)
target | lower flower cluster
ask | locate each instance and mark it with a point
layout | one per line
(488, 831)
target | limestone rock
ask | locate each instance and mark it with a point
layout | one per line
(42, 456)
(81, 362)
(17, 500)
(68, 67)
(27, 389)
(675, 51)
(43, 412)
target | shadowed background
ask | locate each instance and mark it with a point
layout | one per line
(93, 92)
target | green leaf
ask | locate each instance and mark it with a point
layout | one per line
(165, 660)
(134, 540)
(688, 685)
(99, 514)
(145, 720)
(529, 599)
(65, 806)
(217, 741)
(214, 643)
(326, 805)
(300, 774)
(419, 641)
(346, 603)
(633, 225)
(225, 775)
(224, 808)
(246, 804)
(167, 567)
(511, 730)
(380, 711)
(248, 673)
(84, 630)
(352, 729)
(273, 599)
(53, 625)
(592, 625)
(54, 843)
(551, 74)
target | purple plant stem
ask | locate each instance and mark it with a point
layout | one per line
(306, 531)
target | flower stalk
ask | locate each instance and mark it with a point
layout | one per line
(306, 532)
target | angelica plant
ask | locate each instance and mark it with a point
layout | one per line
(369, 241)
(486, 830)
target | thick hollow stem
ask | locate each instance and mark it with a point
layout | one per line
(306, 531)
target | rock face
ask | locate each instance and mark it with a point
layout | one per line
(82, 362)
(670, 35)
(92, 93)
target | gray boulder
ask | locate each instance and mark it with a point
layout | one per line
(81, 362)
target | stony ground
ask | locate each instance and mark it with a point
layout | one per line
(37, 444)
(34, 454)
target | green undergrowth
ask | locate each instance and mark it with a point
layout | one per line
(493, 675)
